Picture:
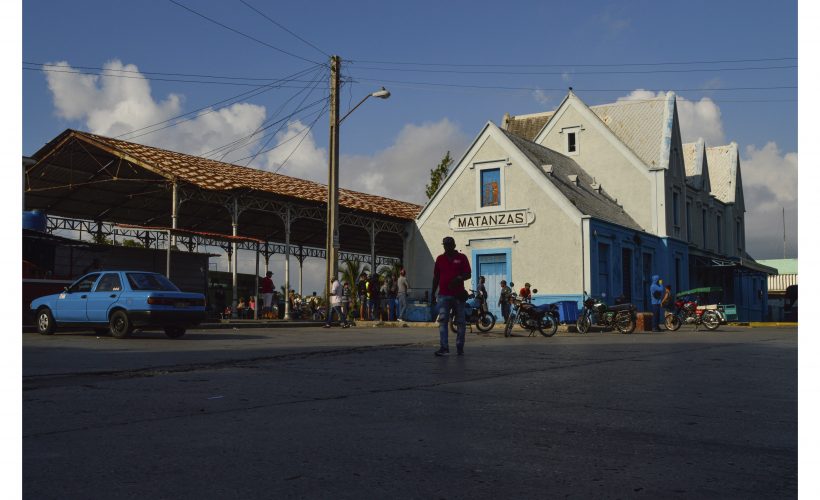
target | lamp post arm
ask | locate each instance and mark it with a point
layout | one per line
(354, 107)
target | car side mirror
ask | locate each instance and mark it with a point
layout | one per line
(534, 290)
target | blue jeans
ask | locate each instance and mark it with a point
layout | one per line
(391, 309)
(338, 310)
(402, 305)
(445, 304)
(656, 316)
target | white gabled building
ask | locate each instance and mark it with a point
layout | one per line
(593, 198)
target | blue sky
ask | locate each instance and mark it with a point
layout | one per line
(445, 64)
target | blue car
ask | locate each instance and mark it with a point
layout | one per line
(118, 302)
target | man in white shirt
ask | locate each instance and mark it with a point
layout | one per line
(403, 287)
(335, 304)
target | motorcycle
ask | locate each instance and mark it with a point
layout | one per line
(622, 317)
(686, 311)
(474, 314)
(543, 318)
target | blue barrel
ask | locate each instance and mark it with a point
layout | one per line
(35, 220)
(568, 311)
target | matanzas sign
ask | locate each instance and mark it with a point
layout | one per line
(491, 220)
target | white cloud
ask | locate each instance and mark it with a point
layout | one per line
(402, 170)
(769, 185)
(297, 153)
(112, 106)
(541, 97)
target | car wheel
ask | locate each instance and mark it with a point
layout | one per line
(174, 332)
(120, 325)
(45, 321)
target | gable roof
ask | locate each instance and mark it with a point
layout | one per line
(584, 196)
(697, 169)
(723, 171)
(526, 126)
(642, 125)
(216, 175)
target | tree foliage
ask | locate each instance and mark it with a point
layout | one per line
(438, 174)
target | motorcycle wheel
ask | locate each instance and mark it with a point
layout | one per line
(672, 322)
(583, 324)
(509, 326)
(549, 326)
(485, 322)
(711, 320)
(624, 323)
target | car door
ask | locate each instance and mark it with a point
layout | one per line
(71, 304)
(107, 291)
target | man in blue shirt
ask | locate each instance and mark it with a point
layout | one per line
(655, 297)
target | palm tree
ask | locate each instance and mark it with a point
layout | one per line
(351, 270)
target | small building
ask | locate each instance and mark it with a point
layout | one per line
(782, 289)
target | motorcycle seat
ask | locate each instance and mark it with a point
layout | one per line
(543, 307)
(621, 307)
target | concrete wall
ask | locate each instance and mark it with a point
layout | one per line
(601, 159)
(547, 253)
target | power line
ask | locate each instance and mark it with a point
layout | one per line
(545, 73)
(564, 89)
(214, 106)
(155, 79)
(277, 24)
(242, 34)
(485, 65)
(301, 140)
(277, 130)
(141, 72)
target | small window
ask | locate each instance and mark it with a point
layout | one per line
(719, 230)
(676, 208)
(571, 145)
(703, 223)
(110, 282)
(688, 220)
(84, 284)
(490, 187)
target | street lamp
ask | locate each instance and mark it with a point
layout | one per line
(332, 243)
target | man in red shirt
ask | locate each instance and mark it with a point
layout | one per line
(525, 293)
(450, 272)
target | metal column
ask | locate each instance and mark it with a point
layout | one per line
(287, 262)
(234, 249)
(372, 232)
(256, 285)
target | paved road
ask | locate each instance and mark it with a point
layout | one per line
(373, 414)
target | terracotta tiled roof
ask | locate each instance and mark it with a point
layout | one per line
(527, 126)
(216, 175)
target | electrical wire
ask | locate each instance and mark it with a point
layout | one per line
(276, 132)
(241, 33)
(485, 65)
(213, 107)
(277, 24)
(546, 73)
(300, 141)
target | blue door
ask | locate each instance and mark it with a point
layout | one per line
(494, 269)
(72, 303)
(104, 295)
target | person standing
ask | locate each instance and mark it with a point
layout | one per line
(335, 304)
(267, 295)
(361, 292)
(392, 298)
(373, 304)
(482, 293)
(402, 287)
(346, 293)
(504, 300)
(655, 297)
(450, 272)
(666, 302)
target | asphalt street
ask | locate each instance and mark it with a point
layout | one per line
(371, 413)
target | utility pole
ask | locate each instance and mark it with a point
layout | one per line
(784, 231)
(332, 246)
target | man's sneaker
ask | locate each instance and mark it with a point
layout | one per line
(400, 320)
(326, 326)
(461, 352)
(442, 352)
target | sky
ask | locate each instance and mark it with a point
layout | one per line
(450, 67)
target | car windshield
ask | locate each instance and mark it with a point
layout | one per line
(150, 281)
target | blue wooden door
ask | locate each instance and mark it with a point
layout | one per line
(494, 269)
